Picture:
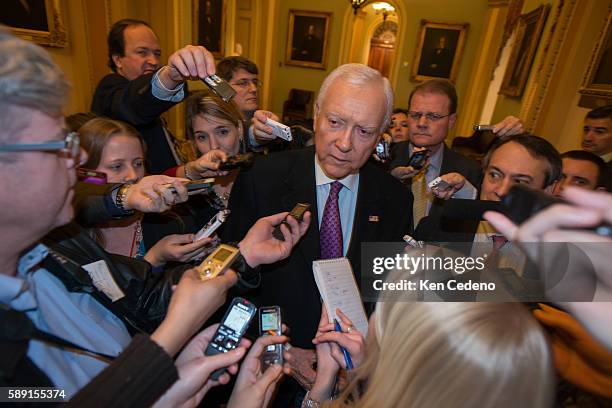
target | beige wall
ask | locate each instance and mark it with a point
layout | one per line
(287, 77)
(472, 12)
(284, 77)
(559, 120)
(77, 58)
(509, 105)
(561, 117)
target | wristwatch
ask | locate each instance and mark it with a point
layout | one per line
(308, 402)
(119, 196)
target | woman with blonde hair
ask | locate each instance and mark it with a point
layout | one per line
(211, 125)
(443, 355)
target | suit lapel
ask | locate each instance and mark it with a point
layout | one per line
(368, 211)
(300, 187)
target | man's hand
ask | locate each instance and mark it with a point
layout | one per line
(562, 223)
(176, 247)
(190, 62)
(405, 172)
(195, 369)
(192, 303)
(301, 362)
(260, 247)
(455, 183)
(156, 194)
(263, 133)
(254, 388)
(511, 125)
(207, 164)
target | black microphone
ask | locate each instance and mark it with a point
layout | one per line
(519, 204)
(460, 209)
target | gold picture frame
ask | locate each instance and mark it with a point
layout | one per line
(528, 34)
(439, 49)
(42, 23)
(209, 25)
(308, 38)
(597, 80)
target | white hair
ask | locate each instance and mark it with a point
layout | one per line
(359, 75)
(29, 79)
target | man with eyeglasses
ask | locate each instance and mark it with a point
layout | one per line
(432, 112)
(243, 75)
(139, 90)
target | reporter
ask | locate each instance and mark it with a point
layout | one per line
(214, 129)
(492, 354)
(117, 150)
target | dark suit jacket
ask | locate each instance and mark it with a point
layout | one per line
(133, 102)
(275, 184)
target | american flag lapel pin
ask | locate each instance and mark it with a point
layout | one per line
(373, 218)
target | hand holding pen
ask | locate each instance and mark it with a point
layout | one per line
(348, 343)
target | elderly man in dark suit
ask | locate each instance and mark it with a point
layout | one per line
(352, 200)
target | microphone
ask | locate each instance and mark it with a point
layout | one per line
(519, 204)
(460, 209)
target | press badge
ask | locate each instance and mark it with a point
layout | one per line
(103, 280)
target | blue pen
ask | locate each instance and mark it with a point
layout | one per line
(347, 356)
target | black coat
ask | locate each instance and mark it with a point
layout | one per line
(133, 102)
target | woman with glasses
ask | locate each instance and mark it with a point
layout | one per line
(117, 149)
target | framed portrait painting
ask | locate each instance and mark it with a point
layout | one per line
(40, 21)
(209, 25)
(528, 34)
(308, 38)
(438, 51)
(597, 81)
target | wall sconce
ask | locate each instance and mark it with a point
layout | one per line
(384, 8)
(356, 4)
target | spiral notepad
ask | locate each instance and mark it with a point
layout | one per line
(338, 289)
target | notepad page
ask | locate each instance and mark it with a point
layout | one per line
(338, 289)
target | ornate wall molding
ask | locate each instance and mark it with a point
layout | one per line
(539, 82)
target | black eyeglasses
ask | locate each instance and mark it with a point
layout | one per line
(244, 83)
(431, 116)
(71, 144)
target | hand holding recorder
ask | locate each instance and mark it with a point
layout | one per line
(190, 62)
(191, 304)
(416, 163)
(261, 130)
(255, 385)
(204, 166)
(195, 370)
(153, 194)
(446, 185)
(259, 246)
